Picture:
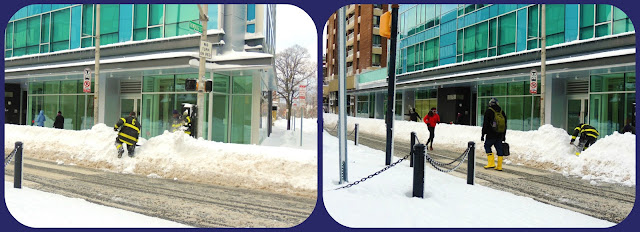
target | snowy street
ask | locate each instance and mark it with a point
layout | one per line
(211, 185)
(607, 201)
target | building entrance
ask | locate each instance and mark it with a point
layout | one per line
(577, 111)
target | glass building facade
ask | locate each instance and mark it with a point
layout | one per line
(435, 35)
(457, 57)
(234, 112)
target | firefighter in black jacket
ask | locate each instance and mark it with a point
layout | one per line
(588, 136)
(129, 130)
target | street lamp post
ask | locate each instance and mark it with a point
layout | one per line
(204, 18)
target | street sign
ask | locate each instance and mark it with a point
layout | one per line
(302, 92)
(86, 85)
(205, 49)
(533, 84)
(195, 26)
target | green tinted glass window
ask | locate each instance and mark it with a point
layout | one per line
(516, 88)
(586, 15)
(36, 87)
(492, 33)
(630, 81)
(555, 19)
(482, 34)
(623, 25)
(155, 32)
(499, 89)
(52, 87)
(602, 30)
(507, 29)
(9, 36)
(140, 34)
(241, 119)
(460, 44)
(220, 83)
(618, 14)
(20, 34)
(33, 31)
(242, 84)
(87, 20)
(140, 16)
(155, 14)
(60, 27)
(469, 39)
(532, 28)
(603, 13)
(44, 27)
(69, 86)
(163, 83)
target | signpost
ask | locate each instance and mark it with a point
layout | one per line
(195, 26)
(533, 84)
(86, 88)
(302, 95)
(206, 49)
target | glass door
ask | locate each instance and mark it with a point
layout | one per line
(130, 103)
(577, 111)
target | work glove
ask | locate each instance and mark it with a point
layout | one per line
(115, 129)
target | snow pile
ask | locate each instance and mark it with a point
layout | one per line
(39, 209)
(386, 200)
(281, 137)
(610, 159)
(175, 156)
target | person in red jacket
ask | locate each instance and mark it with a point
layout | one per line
(431, 119)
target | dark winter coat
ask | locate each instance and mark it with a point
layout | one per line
(413, 116)
(488, 118)
(629, 128)
(40, 119)
(129, 130)
(59, 122)
(584, 130)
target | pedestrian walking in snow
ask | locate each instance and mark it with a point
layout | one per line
(413, 115)
(176, 121)
(40, 119)
(495, 129)
(588, 136)
(59, 122)
(129, 130)
(431, 119)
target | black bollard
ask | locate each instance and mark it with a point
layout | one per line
(356, 134)
(413, 143)
(17, 167)
(418, 170)
(471, 163)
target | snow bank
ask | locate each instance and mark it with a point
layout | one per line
(39, 209)
(610, 159)
(175, 156)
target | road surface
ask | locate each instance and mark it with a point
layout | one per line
(193, 204)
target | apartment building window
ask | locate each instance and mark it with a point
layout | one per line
(375, 60)
(376, 21)
(376, 41)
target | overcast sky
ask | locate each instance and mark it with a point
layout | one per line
(294, 26)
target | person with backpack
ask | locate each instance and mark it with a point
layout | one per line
(431, 119)
(495, 127)
(588, 136)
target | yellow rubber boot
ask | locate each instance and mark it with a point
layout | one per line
(499, 167)
(491, 161)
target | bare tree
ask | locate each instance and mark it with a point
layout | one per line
(294, 68)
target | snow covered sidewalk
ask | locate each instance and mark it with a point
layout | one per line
(611, 159)
(386, 200)
(175, 156)
(46, 210)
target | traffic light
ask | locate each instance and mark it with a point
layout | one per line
(208, 86)
(190, 85)
(385, 25)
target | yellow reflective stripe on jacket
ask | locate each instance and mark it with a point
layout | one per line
(592, 135)
(123, 121)
(187, 132)
(128, 136)
(592, 130)
(188, 119)
(132, 126)
(128, 143)
(573, 137)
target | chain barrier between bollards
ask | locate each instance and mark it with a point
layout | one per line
(374, 174)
